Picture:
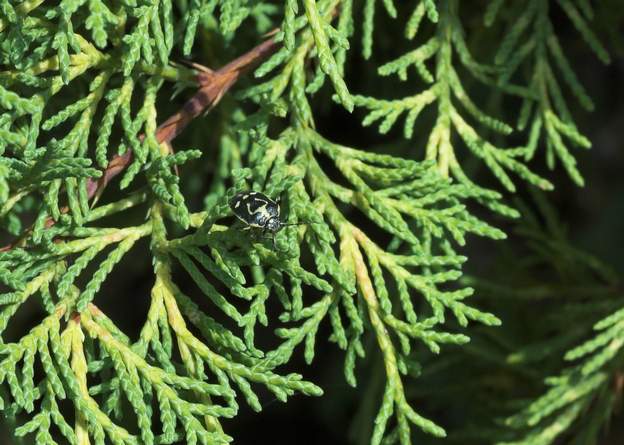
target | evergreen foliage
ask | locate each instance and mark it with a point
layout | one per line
(555, 379)
(373, 249)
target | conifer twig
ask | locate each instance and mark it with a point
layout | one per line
(212, 86)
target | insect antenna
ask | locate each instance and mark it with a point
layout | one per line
(305, 223)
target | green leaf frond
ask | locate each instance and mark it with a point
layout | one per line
(54, 51)
(424, 8)
(403, 296)
(145, 371)
(582, 397)
(308, 36)
(446, 49)
(371, 248)
(171, 366)
(560, 377)
(532, 52)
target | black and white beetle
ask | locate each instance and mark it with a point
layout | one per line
(258, 211)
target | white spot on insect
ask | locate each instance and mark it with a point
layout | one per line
(237, 204)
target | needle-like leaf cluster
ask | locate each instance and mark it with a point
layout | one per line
(371, 248)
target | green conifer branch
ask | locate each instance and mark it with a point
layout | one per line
(583, 388)
(447, 92)
(532, 43)
(81, 87)
(408, 192)
(558, 381)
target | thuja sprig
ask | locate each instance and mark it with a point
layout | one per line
(309, 36)
(79, 98)
(211, 89)
(45, 62)
(447, 91)
(554, 383)
(144, 370)
(531, 44)
(581, 397)
(424, 8)
(404, 198)
(51, 257)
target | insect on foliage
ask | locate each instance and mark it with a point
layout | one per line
(259, 211)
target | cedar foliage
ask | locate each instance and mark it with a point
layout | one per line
(127, 127)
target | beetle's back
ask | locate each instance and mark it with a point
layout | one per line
(254, 208)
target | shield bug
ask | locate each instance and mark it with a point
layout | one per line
(258, 211)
